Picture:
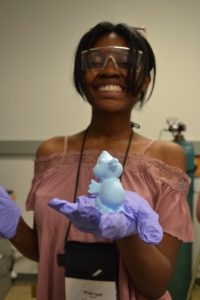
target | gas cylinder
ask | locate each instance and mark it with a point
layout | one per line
(182, 274)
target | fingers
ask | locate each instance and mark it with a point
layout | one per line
(62, 206)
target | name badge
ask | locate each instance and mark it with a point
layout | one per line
(80, 289)
(91, 271)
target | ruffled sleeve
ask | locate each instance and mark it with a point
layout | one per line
(41, 168)
(172, 203)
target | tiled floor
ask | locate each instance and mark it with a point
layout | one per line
(23, 288)
(20, 292)
(196, 294)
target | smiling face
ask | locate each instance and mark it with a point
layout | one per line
(106, 86)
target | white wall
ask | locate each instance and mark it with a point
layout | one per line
(38, 39)
(37, 43)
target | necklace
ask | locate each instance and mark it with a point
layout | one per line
(81, 156)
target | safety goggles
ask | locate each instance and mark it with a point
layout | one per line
(97, 58)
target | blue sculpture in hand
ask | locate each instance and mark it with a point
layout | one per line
(108, 190)
(110, 211)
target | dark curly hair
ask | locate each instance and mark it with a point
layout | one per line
(136, 41)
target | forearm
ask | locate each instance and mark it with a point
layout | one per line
(148, 268)
(25, 240)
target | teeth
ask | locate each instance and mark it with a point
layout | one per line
(110, 87)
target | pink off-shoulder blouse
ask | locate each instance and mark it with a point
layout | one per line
(163, 186)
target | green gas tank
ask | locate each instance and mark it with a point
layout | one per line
(182, 273)
(190, 165)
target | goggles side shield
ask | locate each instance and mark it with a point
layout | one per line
(97, 58)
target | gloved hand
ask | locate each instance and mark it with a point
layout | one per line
(136, 217)
(9, 215)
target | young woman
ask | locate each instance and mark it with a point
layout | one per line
(114, 71)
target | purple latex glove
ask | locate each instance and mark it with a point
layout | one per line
(136, 217)
(83, 214)
(9, 215)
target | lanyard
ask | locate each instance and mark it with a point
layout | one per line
(108, 286)
(80, 161)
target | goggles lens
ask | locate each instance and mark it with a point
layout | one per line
(97, 58)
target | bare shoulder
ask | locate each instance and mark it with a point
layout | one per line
(169, 152)
(56, 144)
(51, 146)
